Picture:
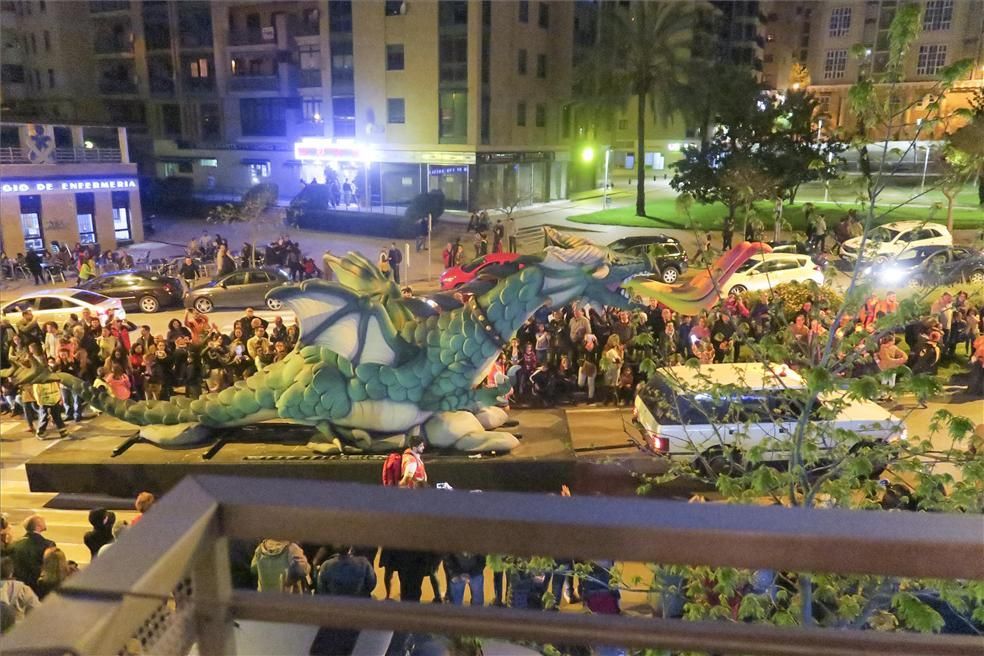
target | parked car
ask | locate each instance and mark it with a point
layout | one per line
(930, 265)
(463, 274)
(681, 420)
(767, 270)
(670, 254)
(889, 240)
(145, 291)
(59, 304)
(239, 289)
(796, 247)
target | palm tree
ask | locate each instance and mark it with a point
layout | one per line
(641, 51)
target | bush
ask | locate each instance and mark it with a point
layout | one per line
(431, 202)
(794, 294)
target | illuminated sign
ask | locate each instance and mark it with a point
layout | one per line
(317, 149)
(43, 186)
(448, 170)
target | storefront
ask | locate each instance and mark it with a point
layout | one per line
(519, 179)
(35, 212)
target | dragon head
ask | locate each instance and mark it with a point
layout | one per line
(576, 269)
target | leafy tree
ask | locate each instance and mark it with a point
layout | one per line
(964, 150)
(651, 43)
(251, 210)
(799, 77)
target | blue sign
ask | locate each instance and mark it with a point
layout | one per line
(82, 184)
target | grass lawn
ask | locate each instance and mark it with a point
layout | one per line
(662, 213)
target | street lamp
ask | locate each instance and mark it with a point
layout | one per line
(608, 152)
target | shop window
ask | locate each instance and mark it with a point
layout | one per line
(85, 212)
(121, 216)
(394, 57)
(258, 170)
(30, 216)
(395, 110)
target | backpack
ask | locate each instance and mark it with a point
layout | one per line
(393, 469)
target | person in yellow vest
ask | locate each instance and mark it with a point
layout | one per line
(413, 472)
(49, 397)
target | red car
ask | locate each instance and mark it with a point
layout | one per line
(463, 274)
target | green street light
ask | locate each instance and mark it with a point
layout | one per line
(587, 155)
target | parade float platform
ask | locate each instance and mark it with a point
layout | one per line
(585, 448)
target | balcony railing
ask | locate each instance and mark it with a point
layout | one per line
(117, 86)
(64, 155)
(166, 582)
(254, 83)
(252, 37)
(110, 46)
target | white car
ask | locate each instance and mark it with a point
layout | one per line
(680, 419)
(889, 240)
(767, 270)
(59, 304)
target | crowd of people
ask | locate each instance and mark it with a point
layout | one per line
(83, 261)
(32, 566)
(503, 233)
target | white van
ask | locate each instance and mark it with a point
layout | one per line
(681, 419)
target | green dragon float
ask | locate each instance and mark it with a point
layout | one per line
(372, 368)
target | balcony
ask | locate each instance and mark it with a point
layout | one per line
(113, 46)
(65, 155)
(240, 83)
(192, 40)
(161, 86)
(263, 37)
(114, 86)
(166, 585)
(309, 78)
(306, 29)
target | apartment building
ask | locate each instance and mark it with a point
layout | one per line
(45, 46)
(820, 35)
(72, 184)
(396, 97)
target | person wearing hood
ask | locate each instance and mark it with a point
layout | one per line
(102, 522)
(279, 565)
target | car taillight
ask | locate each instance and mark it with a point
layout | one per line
(657, 443)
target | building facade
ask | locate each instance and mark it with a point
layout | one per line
(395, 97)
(66, 183)
(820, 36)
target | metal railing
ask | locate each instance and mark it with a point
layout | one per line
(254, 83)
(12, 155)
(168, 578)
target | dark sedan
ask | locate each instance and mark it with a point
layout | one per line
(144, 291)
(239, 289)
(669, 252)
(932, 265)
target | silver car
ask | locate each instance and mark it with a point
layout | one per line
(239, 289)
(59, 305)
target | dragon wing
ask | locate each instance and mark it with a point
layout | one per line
(704, 290)
(362, 276)
(356, 326)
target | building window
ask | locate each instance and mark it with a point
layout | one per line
(258, 169)
(198, 68)
(938, 15)
(394, 7)
(544, 18)
(453, 113)
(453, 12)
(263, 117)
(343, 116)
(521, 114)
(47, 41)
(311, 110)
(209, 163)
(340, 16)
(824, 104)
(524, 11)
(30, 215)
(541, 116)
(85, 210)
(521, 61)
(453, 58)
(623, 124)
(211, 123)
(931, 59)
(840, 21)
(394, 57)
(541, 66)
(121, 215)
(309, 58)
(51, 78)
(43, 6)
(34, 44)
(835, 65)
(395, 110)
